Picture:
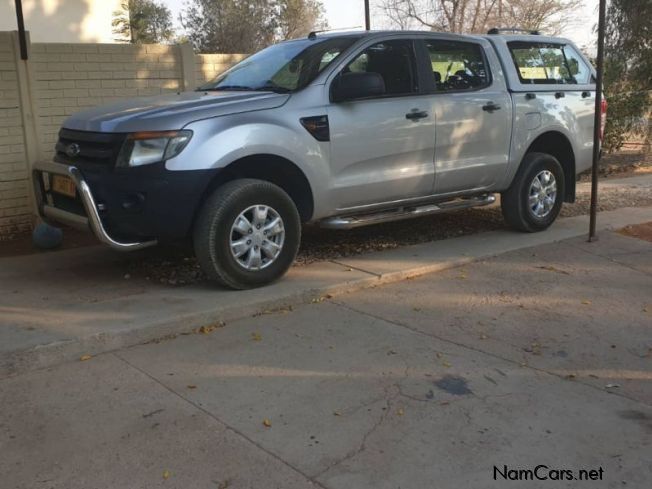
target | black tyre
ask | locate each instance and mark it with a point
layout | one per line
(247, 234)
(533, 201)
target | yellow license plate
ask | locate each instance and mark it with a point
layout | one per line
(63, 185)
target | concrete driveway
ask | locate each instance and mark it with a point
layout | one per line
(541, 356)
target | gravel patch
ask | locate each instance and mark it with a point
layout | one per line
(623, 163)
(177, 266)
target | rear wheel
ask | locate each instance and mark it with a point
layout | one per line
(247, 234)
(533, 201)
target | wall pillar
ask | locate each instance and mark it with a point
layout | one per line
(27, 98)
(188, 74)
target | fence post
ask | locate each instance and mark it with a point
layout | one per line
(26, 94)
(188, 74)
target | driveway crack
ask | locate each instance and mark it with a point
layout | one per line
(362, 446)
(220, 421)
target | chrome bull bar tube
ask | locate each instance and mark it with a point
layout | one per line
(92, 219)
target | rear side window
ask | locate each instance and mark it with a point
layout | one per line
(544, 63)
(578, 68)
(457, 65)
(394, 61)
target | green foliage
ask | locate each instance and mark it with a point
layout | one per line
(143, 22)
(246, 26)
(628, 71)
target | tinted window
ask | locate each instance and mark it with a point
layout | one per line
(457, 65)
(541, 63)
(286, 66)
(394, 61)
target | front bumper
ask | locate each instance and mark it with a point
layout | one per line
(91, 220)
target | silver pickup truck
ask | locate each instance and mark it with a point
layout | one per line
(339, 130)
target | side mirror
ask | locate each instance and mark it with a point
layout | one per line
(352, 86)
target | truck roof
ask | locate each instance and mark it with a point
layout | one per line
(518, 36)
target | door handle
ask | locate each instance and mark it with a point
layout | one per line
(490, 107)
(586, 94)
(416, 115)
(560, 94)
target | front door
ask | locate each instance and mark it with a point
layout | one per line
(382, 148)
(473, 117)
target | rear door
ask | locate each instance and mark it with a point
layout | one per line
(473, 115)
(382, 147)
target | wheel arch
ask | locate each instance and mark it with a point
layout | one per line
(271, 168)
(558, 145)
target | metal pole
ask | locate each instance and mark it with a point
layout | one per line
(597, 119)
(367, 20)
(22, 39)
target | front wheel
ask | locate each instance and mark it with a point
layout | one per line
(247, 234)
(533, 201)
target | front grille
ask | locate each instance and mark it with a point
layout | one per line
(95, 148)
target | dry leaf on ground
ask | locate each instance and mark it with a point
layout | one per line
(550, 268)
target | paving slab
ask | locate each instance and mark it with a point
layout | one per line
(430, 382)
(55, 307)
(357, 401)
(61, 309)
(580, 310)
(103, 424)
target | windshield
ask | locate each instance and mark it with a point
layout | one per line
(283, 67)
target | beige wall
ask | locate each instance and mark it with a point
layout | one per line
(208, 66)
(63, 20)
(72, 77)
(15, 212)
(60, 79)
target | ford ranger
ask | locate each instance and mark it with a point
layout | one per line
(339, 130)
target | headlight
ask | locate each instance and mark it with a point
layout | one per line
(144, 148)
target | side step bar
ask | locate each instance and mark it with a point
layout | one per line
(354, 221)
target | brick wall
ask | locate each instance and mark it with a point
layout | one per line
(72, 77)
(15, 211)
(61, 79)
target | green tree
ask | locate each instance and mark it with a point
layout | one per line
(628, 71)
(143, 22)
(297, 18)
(246, 26)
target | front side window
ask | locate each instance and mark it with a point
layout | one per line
(543, 63)
(457, 65)
(394, 61)
(283, 67)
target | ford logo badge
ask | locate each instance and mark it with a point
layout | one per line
(73, 150)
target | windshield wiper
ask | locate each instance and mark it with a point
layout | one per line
(243, 88)
(226, 88)
(272, 88)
